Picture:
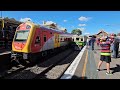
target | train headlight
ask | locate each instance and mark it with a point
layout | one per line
(25, 56)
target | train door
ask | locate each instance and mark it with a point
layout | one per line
(44, 40)
(56, 40)
(36, 44)
(58, 44)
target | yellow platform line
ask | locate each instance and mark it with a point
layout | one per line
(84, 67)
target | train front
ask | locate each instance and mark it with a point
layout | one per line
(21, 41)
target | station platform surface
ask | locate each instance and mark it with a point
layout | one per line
(87, 66)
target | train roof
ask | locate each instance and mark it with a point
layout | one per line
(78, 35)
(57, 30)
(47, 27)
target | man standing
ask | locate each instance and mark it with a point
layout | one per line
(105, 55)
(115, 47)
(92, 42)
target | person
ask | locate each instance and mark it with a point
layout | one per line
(88, 42)
(115, 48)
(92, 42)
(98, 41)
(105, 55)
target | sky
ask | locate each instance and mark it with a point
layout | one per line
(90, 22)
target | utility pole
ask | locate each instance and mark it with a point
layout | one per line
(2, 23)
(1, 14)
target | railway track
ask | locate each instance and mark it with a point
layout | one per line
(39, 71)
(15, 68)
(56, 70)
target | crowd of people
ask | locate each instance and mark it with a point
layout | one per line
(109, 49)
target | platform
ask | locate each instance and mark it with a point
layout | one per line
(86, 68)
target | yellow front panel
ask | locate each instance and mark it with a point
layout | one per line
(27, 46)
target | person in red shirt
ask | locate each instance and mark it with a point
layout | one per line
(105, 55)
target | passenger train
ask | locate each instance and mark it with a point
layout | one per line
(31, 41)
(79, 41)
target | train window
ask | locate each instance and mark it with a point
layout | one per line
(65, 39)
(81, 39)
(61, 39)
(0, 22)
(44, 38)
(28, 27)
(58, 38)
(37, 40)
(77, 39)
(21, 35)
(73, 39)
(55, 38)
(68, 39)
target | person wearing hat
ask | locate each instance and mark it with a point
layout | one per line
(115, 47)
(105, 55)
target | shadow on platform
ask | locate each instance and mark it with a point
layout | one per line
(67, 76)
(114, 69)
(76, 77)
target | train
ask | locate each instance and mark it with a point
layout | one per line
(79, 41)
(31, 41)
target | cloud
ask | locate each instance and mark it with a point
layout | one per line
(82, 29)
(25, 19)
(64, 20)
(72, 26)
(61, 28)
(112, 24)
(87, 33)
(82, 25)
(113, 31)
(82, 18)
(107, 25)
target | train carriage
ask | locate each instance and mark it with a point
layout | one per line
(79, 41)
(32, 41)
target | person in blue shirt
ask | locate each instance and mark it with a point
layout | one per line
(92, 42)
(115, 47)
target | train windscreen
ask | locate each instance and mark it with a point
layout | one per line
(21, 35)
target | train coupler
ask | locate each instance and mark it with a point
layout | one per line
(15, 58)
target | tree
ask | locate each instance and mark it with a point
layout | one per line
(76, 31)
